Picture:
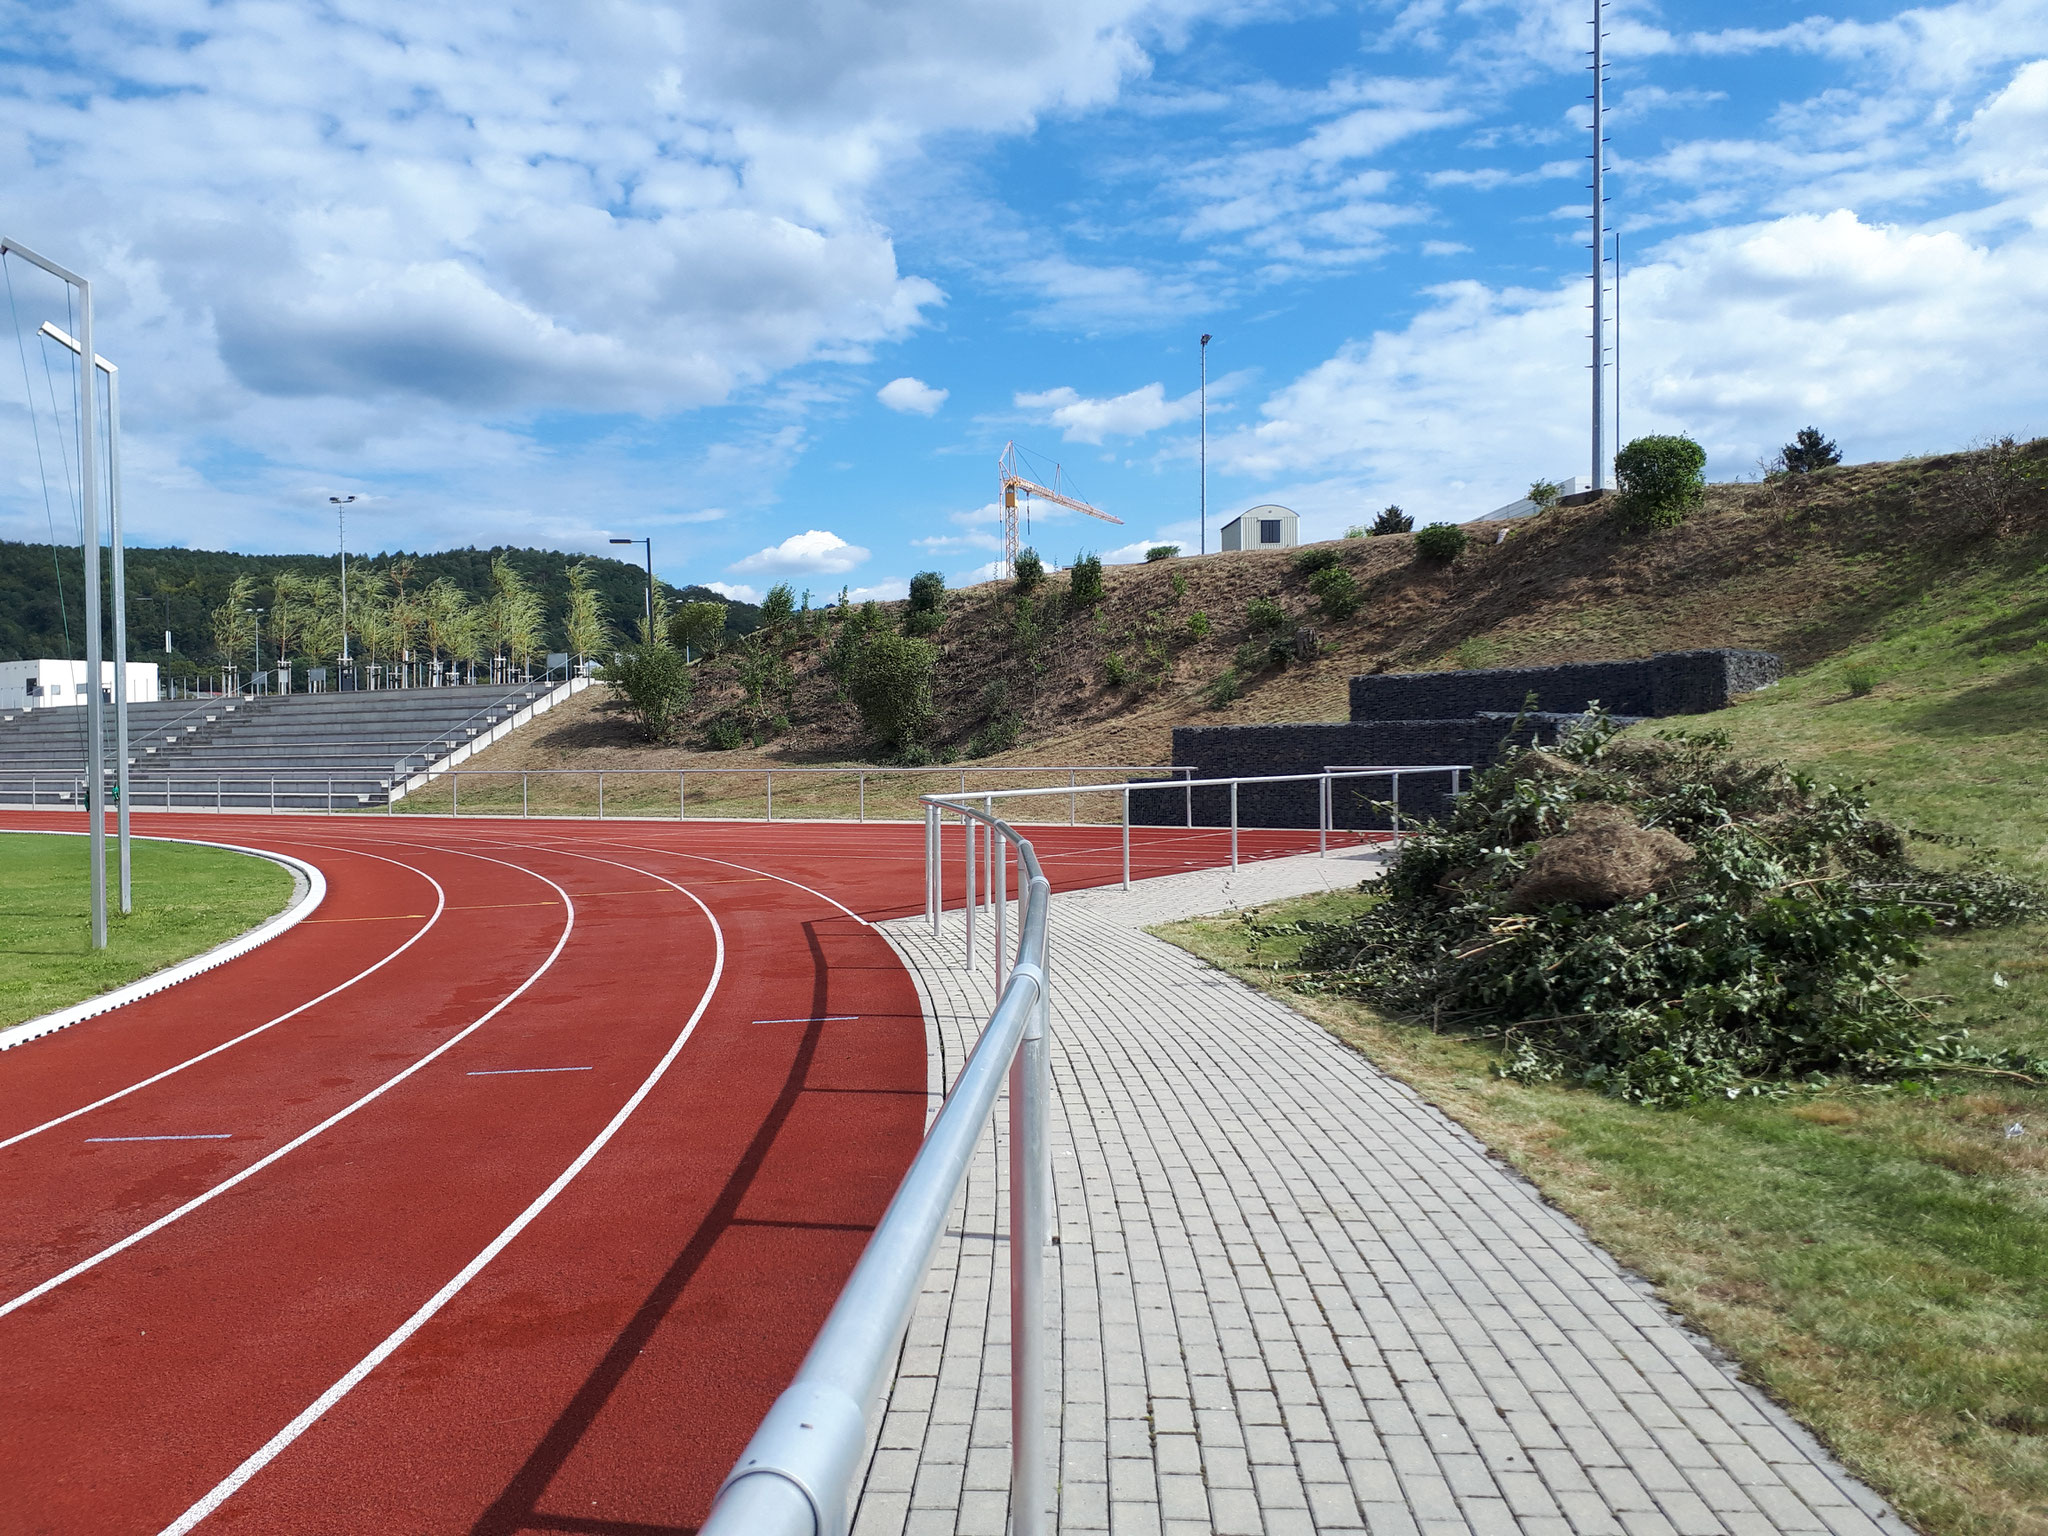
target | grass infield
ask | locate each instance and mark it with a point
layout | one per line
(1876, 1257)
(186, 900)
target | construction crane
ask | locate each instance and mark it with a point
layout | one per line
(1012, 482)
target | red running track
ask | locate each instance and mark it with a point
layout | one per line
(502, 1195)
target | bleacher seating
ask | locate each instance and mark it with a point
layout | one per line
(294, 751)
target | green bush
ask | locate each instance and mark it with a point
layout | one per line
(1544, 493)
(1030, 570)
(1178, 585)
(1664, 922)
(1391, 520)
(1084, 580)
(1337, 592)
(1115, 670)
(891, 686)
(1198, 625)
(927, 608)
(1807, 452)
(1860, 680)
(1661, 481)
(653, 684)
(1356, 531)
(1440, 543)
(1161, 552)
(724, 734)
(1307, 562)
(778, 608)
(1225, 689)
(1263, 616)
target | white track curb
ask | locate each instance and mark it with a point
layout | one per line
(300, 908)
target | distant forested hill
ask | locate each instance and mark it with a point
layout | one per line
(179, 588)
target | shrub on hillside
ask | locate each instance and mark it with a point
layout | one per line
(1440, 543)
(1544, 493)
(1115, 671)
(1084, 580)
(1263, 616)
(1391, 520)
(724, 734)
(1662, 479)
(1225, 689)
(1161, 552)
(1665, 922)
(1030, 570)
(1807, 452)
(1198, 625)
(1316, 558)
(1337, 591)
(652, 684)
(778, 608)
(926, 611)
(1177, 584)
(891, 686)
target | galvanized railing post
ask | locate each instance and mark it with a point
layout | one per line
(1233, 826)
(1323, 817)
(330, 797)
(273, 794)
(682, 796)
(1001, 847)
(1029, 1197)
(1127, 837)
(455, 791)
(1072, 780)
(1397, 807)
(217, 797)
(967, 836)
(524, 797)
(771, 794)
(600, 796)
(863, 797)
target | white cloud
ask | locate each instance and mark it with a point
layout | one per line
(738, 591)
(1082, 420)
(814, 553)
(1894, 339)
(887, 590)
(911, 396)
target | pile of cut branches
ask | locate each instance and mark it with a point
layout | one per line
(1665, 921)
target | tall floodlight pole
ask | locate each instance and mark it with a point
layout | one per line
(1599, 254)
(1617, 339)
(649, 543)
(341, 536)
(120, 600)
(89, 501)
(1203, 548)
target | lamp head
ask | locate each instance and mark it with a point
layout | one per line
(1206, 340)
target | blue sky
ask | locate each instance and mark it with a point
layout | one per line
(774, 283)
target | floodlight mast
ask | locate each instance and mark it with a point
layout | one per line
(89, 497)
(1599, 252)
(100, 364)
(341, 538)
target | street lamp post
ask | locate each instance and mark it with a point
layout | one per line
(88, 476)
(1203, 548)
(120, 603)
(341, 537)
(256, 642)
(649, 543)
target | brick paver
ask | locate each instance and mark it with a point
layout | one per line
(1291, 1296)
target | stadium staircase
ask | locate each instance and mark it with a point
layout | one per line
(318, 751)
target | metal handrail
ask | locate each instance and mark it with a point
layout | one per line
(797, 1474)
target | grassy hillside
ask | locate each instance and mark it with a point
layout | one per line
(1813, 567)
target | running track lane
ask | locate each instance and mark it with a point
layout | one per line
(619, 1351)
(605, 1369)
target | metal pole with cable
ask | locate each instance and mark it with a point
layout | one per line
(89, 521)
(1599, 254)
(341, 681)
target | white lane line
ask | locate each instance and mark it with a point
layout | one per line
(204, 1136)
(226, 1487)
(440, 905)
(763, 873)
(303, 1137)
(829, 1018)
(525, 1071)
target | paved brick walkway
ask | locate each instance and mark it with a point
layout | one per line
(1293, 1297)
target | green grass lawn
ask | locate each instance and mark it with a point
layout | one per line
(186, 900)
(1877, 1257)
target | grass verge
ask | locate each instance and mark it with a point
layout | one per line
(186, 901)
(1877, 1258)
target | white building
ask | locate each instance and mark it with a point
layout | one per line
(1268, 527)
(48, 684)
